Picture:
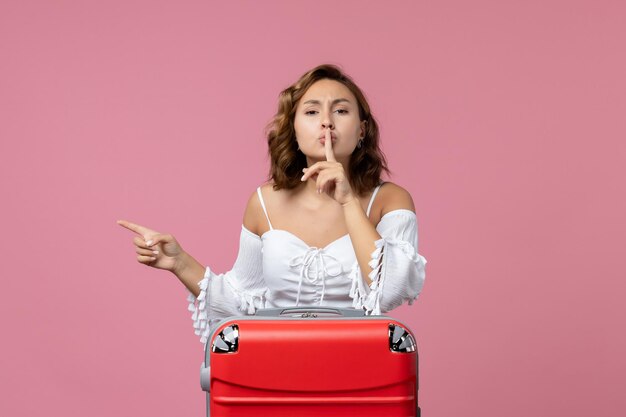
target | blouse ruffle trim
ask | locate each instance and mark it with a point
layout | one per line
(249, 301)
(370, 301)
(197, 306)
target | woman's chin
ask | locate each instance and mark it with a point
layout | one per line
(315, 157)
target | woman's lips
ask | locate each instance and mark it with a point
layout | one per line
(323, 140)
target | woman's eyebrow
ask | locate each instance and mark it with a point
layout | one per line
(338, 100)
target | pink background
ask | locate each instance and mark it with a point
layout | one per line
(505, 121)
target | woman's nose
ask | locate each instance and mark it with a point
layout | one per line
(327, 121)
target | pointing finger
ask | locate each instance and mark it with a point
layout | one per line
(143, 231)
(328, 147)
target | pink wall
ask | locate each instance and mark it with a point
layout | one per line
(505, 120)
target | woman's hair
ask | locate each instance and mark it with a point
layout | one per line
(366, 163)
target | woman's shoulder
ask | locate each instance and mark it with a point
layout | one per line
(392, 197)
(254, 215)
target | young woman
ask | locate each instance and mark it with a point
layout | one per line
(325, 231)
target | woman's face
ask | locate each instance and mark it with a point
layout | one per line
(328, 104)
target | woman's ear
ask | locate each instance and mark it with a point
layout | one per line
(363, 128)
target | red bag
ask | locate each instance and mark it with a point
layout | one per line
(301, 362)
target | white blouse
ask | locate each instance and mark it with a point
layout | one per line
(278, 269)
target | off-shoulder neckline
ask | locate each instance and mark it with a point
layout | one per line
(395, 211)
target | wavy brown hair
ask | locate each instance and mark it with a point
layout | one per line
(367, 163)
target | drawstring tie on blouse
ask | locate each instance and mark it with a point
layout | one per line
(325, 265)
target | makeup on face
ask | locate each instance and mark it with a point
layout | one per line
(327, 104)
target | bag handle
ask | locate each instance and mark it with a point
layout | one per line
(310, 312)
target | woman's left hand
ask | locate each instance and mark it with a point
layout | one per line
(331, 177)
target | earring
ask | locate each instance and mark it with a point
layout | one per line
(360, 143)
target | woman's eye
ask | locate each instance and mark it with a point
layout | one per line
(341, 111)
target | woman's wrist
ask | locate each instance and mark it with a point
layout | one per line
(352, 201)
(190, 272)
(182, 264)
(354, 214)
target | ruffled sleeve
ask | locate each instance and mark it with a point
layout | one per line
(241, 290)
(398, 270)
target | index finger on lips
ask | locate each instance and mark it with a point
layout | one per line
(328, 147)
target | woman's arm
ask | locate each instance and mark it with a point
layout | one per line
(363, 233)
(396, 268)
(162, 251)
(190, 272)
(330, 177)
(241, 290)
(212, 296)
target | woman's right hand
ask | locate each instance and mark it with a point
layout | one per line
(155, 249)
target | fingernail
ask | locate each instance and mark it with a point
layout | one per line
(304, 169)
(153, 258)
(156, 252)
(302, 179)
(149, 243)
